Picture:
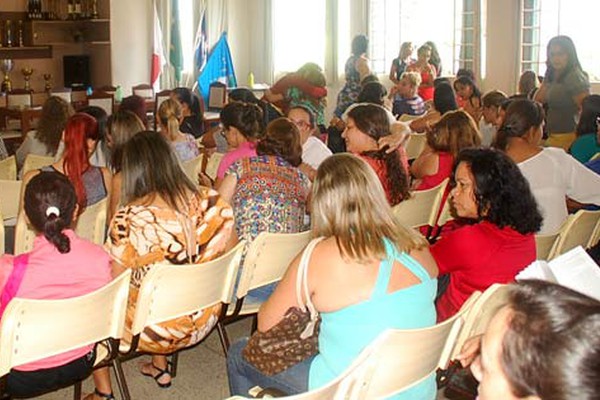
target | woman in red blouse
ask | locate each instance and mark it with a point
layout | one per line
(491, 193)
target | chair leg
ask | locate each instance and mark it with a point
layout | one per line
(77, 391)
(174, 361)
(223, 337)
(121, 381)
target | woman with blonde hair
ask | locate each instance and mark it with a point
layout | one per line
(454, 132)
(169, 117)
(367, 273)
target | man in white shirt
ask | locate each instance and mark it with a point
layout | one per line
(314, 151)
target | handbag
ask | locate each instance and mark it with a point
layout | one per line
(295, 337)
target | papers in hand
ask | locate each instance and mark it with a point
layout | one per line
(574, 269)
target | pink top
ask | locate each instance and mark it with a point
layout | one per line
(52, 275)
(245, 150)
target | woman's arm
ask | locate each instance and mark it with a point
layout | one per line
(540, 94)
(227, 188)
(393, 71)
(426, 164)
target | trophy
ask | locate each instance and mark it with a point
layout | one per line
(27, 72)
(6, 66)
(48, 84)
(94, 10)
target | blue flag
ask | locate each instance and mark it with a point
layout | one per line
(219, 67)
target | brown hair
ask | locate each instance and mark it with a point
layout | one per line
(169, 114)
(282, 139)
(456, 130)
(53, 121)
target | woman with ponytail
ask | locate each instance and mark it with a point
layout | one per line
(553, 174)
(60, 265)
(193, 117)
(169, 116)
(80, 138)
(365, 125)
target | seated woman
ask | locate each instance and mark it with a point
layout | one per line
(367, 274)
(552, 174)
(80, 138)
(454, 132)
(586, 146)
(468, 91)
(137, 105)
(543, 344)
(427, 71)
(491, 193)
(164, 202)
(242, 127)
(269, 192)
(444, 100)
(192, 121)
(405, 97)
(169, 114)
(60, 265)
(45, 140)
(122, 125)
(491, 103)
(366, 124)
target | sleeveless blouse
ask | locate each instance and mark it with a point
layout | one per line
(346, 332)
(93, 182)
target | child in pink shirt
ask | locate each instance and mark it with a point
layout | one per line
(60, 265)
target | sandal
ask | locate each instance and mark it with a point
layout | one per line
(90, 396)
(157, 376)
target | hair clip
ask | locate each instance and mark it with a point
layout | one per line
(52, 210)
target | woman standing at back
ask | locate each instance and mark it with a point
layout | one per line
(357, 67)
(367, 273)
(426, 70)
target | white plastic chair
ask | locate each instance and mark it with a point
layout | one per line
(545, 246)
(8, 168)
(34, 161)
(422, 207)
(415, 145)
(212, 165)
(577, 230)
(192, 168)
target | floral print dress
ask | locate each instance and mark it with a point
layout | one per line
(143, 235)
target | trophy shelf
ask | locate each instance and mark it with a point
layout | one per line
(21, 53)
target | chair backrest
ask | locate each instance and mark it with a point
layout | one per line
(67, 324)
(480, 313)
(24, 236)
(19, 98)
(595, 236)
(1, 233)
(169, 291)
(158, 99)
(78, 96)
(212, 165)
(422, 207)
(108, 89)
(10, 196)
(400, 359)
(64, 94)
(8, 169)
(577, 230)
(143, 90)
(217, 96)
(268, 257)
(415, 145)
(408, 117)
(104, 100)
(445, 214)
(193, 167)
(544, 246)
(34, 161)
(39, 98)
(91, 224)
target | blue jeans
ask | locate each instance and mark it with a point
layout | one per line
(243, 376)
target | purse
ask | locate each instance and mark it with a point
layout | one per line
(295, 337)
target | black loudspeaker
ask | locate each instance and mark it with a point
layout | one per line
(76, 71)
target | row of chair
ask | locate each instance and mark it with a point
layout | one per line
(579, 229)
(399, 359)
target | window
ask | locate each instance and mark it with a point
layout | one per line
(187, 33)
(453, 25)
(298, 34)
(543, 19)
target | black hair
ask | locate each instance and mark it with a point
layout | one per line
(372, 92)
(311, 115)
(467, 81)
(465, 72)
(521, 116)
(444, 98)
(501, 191)
(245, 117)
(551, 348)
(244, 95)
(360, 44)
(44, 191)
(590, 111)
(101, 118)
(185, 96)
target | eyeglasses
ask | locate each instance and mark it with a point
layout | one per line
(301, 124)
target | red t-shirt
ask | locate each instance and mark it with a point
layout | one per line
(477, 256)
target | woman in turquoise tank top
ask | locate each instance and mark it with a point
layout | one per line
(366, 275)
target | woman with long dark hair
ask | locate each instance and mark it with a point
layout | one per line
(192, 121)
(586, 145)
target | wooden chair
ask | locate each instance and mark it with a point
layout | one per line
(38, 98)
(64, 93)
(266, 261)
(544, 246)
(19, 98)
(193, 168)
(212, 165)
(8, 169)
(158, 99)
(577, 230)
(415, 145)
(104, 100)
(67, 324)
(143, 90)
(79, 98)
(422, 207)
(169, 291)
(33, 161)
(108, 89)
